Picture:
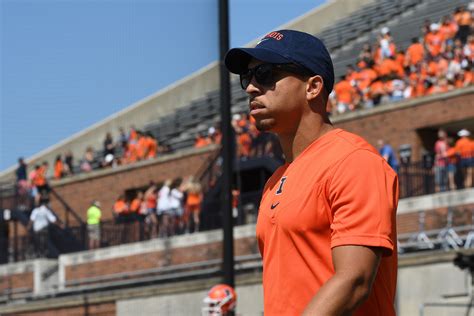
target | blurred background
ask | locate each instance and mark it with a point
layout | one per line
(111, 157)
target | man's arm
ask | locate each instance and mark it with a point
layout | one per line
(355, 270)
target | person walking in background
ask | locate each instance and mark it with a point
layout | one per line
(165, 215)
(40, 219)
(58, 168)
(465, 148)
(386, 151)
(94, 215)
(441, 162)
(333, 249)
(193, 206)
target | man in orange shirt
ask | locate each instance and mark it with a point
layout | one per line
(465, 148)
(434, 41)
(463, 20)
(328, 244)
(415, 53)
(345, 95)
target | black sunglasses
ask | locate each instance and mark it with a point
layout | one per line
(265, 74)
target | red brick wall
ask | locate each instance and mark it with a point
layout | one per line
(150, 260)
(17, 281)
(106, 188)
(435, 219)
(400, 126)
(103, 309)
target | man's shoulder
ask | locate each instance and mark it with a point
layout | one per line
(344, 143)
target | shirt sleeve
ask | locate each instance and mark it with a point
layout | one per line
(363, 196)
(51, 217)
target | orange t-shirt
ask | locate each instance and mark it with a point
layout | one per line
(58, 169)
(40, 177)
(193, 199)
(463, 18)
(201, 142)
(152, 147)
(464, 147)
(135, 205)
(415, 54)
(142, 146)
(318, 202)
(344, 91)
(434, 43)
(120, 207)
(245, 144)
(365, 77)
(389, 66)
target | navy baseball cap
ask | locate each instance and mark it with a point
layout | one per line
(283, 47)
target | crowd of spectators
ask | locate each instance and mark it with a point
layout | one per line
(249, 142)
(440, 60)
(165, 210)
(129, 148)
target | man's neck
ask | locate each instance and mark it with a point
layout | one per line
(295, 143)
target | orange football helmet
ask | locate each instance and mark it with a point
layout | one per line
(220, 300)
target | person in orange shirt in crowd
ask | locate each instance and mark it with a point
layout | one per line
(338, 256)
(415, 53)
(40, 182)
(215, 135)
(131, 154)
(244, 142)
(448, 29)
(345, 95)
(58, 168)
(378, 92)
(151, 146)
(434, 41)
(463, 17)
(465, 148)
(142, 145)
(201, 141)
(135, 207)
(120, 209)
(365, 76)
(389, 67)
(193, 206)
(151, 202)
(400, 59)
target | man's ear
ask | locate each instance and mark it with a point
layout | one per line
(314, 87)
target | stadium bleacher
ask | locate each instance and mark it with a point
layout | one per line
(404, 18)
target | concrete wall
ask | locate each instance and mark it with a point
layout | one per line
(180, 93)
(28, 275)
(422, 278)
(249, 303)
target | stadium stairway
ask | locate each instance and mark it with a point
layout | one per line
(61, 239)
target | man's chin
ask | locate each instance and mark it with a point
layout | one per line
(262, 127)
